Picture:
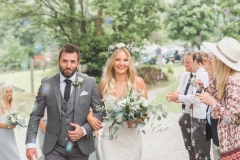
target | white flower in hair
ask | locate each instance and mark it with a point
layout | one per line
(120, 45)
(111, 47)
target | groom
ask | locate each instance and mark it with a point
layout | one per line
(67, 96)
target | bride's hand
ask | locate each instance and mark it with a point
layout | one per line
(94, 122)
(129, 123)
(142, 118)
(12, 127)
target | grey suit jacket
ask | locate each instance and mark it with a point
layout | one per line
(49, 96)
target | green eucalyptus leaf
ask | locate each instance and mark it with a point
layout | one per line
(164, 114)
(148, 118)
(111, 136)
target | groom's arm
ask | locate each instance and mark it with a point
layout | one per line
(35, 116)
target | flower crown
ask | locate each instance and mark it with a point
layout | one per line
(113, 48)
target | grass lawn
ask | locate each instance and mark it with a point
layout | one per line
(25, 100)
(171, 85)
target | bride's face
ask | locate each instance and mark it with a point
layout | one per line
(121, 63)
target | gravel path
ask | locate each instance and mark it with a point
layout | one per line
(166, 145)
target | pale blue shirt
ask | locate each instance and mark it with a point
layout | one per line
(208, 114)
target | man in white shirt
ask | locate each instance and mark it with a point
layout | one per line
(185, 88)
(197, 110)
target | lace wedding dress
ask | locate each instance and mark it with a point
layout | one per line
(127, 146)
(9, 149)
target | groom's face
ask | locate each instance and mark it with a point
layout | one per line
(68, 64)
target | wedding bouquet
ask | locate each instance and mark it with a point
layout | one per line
(15, 118)
(132, 107)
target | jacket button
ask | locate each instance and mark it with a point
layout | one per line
(56, 134)
(59, 120)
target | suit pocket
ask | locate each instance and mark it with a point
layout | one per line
(48, 129)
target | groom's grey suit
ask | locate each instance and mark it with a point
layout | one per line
(49, 96)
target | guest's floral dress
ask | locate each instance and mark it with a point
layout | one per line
(227, 110)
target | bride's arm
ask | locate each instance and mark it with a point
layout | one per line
(140, 85)
(94, 122)
(4, 125)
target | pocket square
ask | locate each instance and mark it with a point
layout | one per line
(84, 93)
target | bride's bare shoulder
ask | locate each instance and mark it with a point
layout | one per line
(139, 81)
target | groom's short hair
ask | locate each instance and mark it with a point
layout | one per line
(69, 48)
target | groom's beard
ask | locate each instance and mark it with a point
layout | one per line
(67, 73)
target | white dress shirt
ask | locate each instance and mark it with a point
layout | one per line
(182, 86)
(199, 109)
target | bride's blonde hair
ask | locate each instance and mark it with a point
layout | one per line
(3, 100)
(108, 83)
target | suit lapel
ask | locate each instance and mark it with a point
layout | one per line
(77, 94)
(57, 91)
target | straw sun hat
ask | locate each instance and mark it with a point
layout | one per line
(227, 50)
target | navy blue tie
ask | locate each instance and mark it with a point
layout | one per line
(67, 89)
(186, 89)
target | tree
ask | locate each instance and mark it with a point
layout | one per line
(81, 22)
(190, 21)
(226, 19)
(12, 53)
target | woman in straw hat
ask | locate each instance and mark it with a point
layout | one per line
(226, 104)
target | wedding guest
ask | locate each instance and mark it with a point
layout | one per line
(9, 149)
(226, 108)
(118, 77)
(211, 125)
(197, 110)
(185, 88)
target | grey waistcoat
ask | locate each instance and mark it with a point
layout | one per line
(67, 116)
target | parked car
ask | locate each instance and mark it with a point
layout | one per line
(150, 54)
(173, 55)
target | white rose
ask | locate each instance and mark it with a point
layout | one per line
(13, 120)
(122, 102)
(120, 45)
(134, 95)
(134, 106)
(19, 117)
(144, 102)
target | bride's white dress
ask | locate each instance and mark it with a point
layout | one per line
(127, 146)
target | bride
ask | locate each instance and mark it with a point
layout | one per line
(118, 77)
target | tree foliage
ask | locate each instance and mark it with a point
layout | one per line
(190, 20)
(92, 25)
(226, 19)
